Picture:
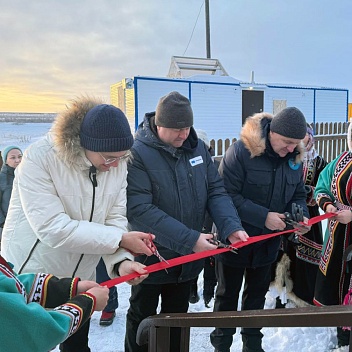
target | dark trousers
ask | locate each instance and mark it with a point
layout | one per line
(102, 276)
(209, 272)
(144, 303)
(78, 342)
(256, 286)
(209, 276)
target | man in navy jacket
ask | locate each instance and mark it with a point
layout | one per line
(263, 175)
(172, 182)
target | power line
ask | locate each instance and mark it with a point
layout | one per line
(193, 29)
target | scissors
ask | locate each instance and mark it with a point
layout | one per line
(219, 244)
(155, 251)
(291, 222)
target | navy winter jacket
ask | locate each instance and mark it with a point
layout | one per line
(169, 190)
(260, 181)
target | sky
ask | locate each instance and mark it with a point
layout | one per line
(52, 51)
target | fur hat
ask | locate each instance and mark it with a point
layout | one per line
(7, 150)
(289, 122)
(105, 129)
(204, 137)
(174, 111)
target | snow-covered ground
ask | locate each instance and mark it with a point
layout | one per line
(21, 134)
(111, 338)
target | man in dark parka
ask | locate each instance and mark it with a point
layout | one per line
(262, 173)
(172, 182)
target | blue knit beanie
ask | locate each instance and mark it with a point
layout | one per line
(6, 151)
(105, 128)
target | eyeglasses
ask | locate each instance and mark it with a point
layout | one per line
(112, 160)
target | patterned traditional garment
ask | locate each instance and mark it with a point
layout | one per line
(25, 324)
(299, 270)
(304, 262)
(334, 187)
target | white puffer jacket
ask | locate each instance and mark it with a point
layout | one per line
(47, 228)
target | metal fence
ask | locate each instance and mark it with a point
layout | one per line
(330, 140)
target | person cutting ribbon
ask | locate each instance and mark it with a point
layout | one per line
(172, 182)
(262, 173)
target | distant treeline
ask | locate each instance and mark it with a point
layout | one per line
(26, 117)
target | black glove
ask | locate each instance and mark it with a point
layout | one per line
(297, 212)
(297, 216)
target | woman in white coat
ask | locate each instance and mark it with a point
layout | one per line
(68, 205)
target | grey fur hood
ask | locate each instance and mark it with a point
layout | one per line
(66, 128)
(254, 139)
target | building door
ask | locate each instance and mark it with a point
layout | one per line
(252, 102)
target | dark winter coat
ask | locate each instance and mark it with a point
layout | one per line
(260, 181)
(7, 175)
(168, 194)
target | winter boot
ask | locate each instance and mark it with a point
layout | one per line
(107, 318)
(252, 343)
(343, 337)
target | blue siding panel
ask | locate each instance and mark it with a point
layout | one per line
(331, 106)
(217, 103)
(217, 109)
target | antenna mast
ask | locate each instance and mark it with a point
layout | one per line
(207, 28)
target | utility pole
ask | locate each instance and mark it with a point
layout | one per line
(207, 29)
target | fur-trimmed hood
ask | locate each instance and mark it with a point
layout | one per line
(254, 138)
(66, 128)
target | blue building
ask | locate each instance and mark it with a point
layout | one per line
(221, 103)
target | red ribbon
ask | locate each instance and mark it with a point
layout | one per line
(200, 255)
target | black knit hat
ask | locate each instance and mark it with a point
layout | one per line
(174, 111)
(105, 129)
(289, 122)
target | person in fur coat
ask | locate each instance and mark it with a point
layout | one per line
(68, 203)
(262, 173)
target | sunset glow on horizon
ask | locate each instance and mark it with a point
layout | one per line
(21, 99)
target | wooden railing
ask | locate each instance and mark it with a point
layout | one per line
(155, 330)
(330, 140)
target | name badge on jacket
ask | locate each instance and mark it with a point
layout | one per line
(196, 161)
